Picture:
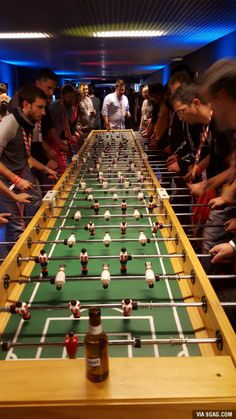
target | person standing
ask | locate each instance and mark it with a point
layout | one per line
(16, 132)
(97, 106)
(87, 108)
(116, 108)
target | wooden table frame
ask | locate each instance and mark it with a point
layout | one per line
(136, 387)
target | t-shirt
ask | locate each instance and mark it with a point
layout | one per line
(115, 108)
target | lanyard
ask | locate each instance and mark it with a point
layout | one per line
(203, 138)
(27, 140)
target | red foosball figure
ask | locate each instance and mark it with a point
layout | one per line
(123, 227)
(123, 260)
(127, 306)
(22, 310)
(151, 205)
(74, 307)
(123, 206)
(156, 226)
(96, 206)
(71, 344)
(43, 260)
(83, 257)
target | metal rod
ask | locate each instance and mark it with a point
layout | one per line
(136, 342)
(171, 255)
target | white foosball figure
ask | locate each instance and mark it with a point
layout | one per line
(115, 166)
(138, 173)
(149, 275)
(142, 238)
(105, 276)
(126, 184)
(127, 306)
(90, 197)
(119, 174)
(88, 190)
(104, 184)
(83, 185)
(132, 166)
(98, 166)
(91, 169)
(71, 240)
(77, 216)
(107, 239)
(107, 215)
(60, 277)
(84, 159)
(100, 174)
(141, 196)
(74, 307)
(136, 214)
(115, 197)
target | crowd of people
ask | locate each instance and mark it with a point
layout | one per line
(192, 123)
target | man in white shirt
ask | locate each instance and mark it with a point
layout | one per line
(116, 108)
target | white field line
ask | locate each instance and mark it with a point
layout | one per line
(175, 313)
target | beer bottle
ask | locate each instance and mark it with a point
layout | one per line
(96, 348)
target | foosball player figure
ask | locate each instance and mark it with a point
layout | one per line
(71, 344)
(91, 228)
(123, 227)
(60, 278)
(105, 276)
(21, 308)
(127, 306)
(149, 275)
(156, 226)
(43, 260)
(96, 206)
(123, 260)
(123, 206)
(121, 179)
(142, 178)
(74, 307)
(83, 257)
(151, 205)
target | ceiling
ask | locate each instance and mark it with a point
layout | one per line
(72, 52)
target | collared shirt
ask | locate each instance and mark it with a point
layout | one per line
(115, 108)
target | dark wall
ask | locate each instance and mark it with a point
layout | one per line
(203, 58)
(9, 75)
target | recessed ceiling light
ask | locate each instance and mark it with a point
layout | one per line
(128, 34)
(23, 35)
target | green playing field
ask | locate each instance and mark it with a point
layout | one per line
(52, 325)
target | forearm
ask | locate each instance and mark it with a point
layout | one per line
(106, 119)
(228, 192)
(36, 164)
(8, 174)
(6, 191)
(219, 179)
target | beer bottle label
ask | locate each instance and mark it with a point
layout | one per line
(94, 362)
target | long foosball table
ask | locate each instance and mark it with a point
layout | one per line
(174, 353)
